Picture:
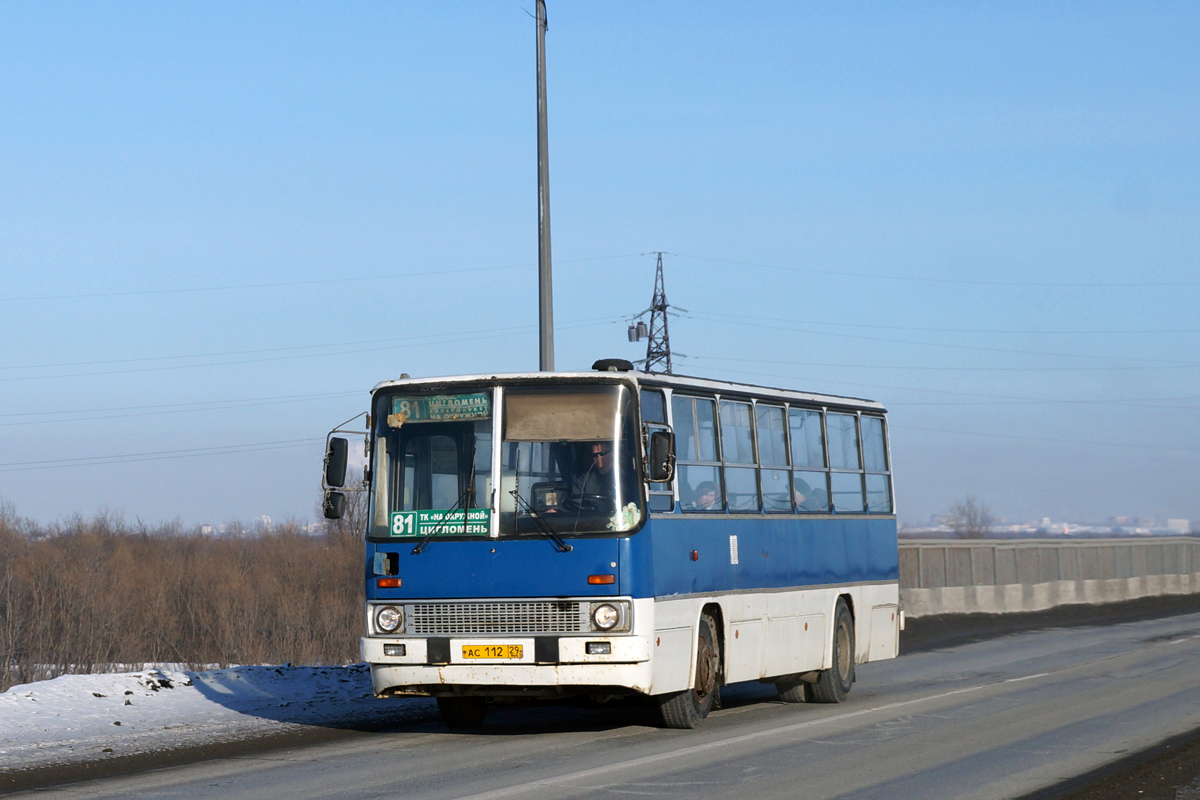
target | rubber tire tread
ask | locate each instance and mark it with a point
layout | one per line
(829, 687)
(680, 710)
(794, 690)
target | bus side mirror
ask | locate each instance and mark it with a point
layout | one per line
(334, 506)
(335, 463)
(661, 468)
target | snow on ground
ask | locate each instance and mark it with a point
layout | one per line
(76, 718)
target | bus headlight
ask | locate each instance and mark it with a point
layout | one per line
(388, 619)
(605, 616)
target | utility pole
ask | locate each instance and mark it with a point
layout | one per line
(545, 291)
(658, 347)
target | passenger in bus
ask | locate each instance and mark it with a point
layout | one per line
(807, 498)
(706, 496)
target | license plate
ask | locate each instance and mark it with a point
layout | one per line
(509, 651)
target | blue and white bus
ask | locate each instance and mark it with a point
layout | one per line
(614, 533)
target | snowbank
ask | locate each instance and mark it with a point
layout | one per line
(77, 718)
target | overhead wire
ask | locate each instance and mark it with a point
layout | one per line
(745, 322)
(313, 282)
(187, 408)
(953, 281)
(447, 338)
(157, 455)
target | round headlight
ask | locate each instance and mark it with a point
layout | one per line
(606, 617)
(389, 618)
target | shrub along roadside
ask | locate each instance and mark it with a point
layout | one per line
(85, 595)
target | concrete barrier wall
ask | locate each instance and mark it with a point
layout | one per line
(993, 576)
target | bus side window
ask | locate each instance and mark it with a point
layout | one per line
(810, 480)
(653, 407)
(737, 437)
(845, 480)
(772, 452)
(654, 417)
(879, 498)
(699, 471)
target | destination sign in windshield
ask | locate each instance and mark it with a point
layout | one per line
(475, 522)
(440, 408)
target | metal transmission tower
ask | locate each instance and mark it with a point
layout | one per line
(658, 345)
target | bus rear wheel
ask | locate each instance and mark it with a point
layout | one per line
(687, 709)
(462, 713)
(834, 684)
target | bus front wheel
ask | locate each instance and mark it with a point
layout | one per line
(462, 712)
(834, 684)
(687, 709)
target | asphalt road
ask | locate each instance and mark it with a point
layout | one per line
(1000, 718)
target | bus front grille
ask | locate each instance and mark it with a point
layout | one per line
(540, 616)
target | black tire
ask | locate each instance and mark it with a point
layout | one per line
(462, 713)
(687, 709)
(793, 690)
(834, 684)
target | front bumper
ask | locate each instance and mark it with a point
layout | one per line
(627, 666)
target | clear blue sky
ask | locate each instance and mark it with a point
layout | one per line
(221, 226)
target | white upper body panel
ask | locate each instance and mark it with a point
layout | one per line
(676, 382)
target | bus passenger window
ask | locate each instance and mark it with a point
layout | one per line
(699, 472)
(810, 491)
(847, 492)
(653, 407)
(776, 491)
(660, 496)
(808, 447)
(843, 441)
(874, 452)
(772, 443)
(737, 447)
(879, 500)
(736, 436)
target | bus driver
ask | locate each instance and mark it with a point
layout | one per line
(593, 490)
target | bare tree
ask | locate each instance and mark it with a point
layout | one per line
(354, 521)
(971, 519)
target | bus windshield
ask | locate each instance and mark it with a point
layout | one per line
(568, 462)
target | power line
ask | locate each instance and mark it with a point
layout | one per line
(158, 455)
(192, 408)
(978, 348)
(1044, 439)
(909, 368)
(280, 284)
(956, 281)
(1129, 402)
(450, 338)
(926, 329)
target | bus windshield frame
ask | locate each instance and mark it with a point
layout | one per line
(565, 460)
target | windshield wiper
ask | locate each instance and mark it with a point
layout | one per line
(437, 528)
(542, 526)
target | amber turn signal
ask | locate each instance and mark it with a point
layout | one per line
(599, 580)
(388, 583)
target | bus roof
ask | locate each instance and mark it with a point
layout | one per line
(681, 382)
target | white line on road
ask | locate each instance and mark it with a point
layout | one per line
(609, 770)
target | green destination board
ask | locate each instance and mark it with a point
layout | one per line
(474, 522)
(440, 408)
